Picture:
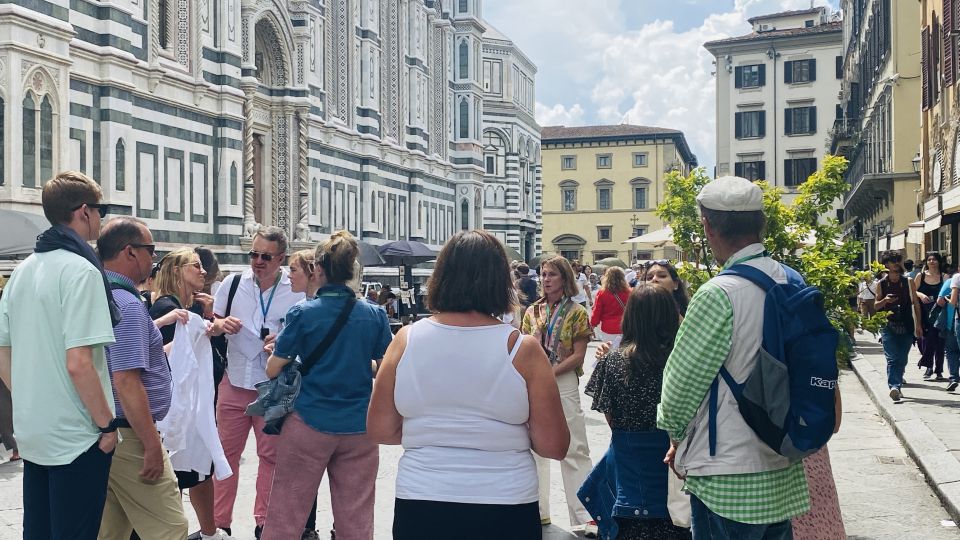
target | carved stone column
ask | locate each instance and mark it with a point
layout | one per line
(250, 225)
(303, 122)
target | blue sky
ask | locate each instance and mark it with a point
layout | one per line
(635, 61)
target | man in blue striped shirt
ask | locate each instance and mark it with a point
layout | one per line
(142, 493)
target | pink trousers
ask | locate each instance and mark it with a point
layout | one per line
(234, 428)
(303, 454)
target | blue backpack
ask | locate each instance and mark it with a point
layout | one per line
(788, 398)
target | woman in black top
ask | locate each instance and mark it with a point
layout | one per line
(927, 284)
(180, 278)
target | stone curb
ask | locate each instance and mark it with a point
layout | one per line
(939, 466)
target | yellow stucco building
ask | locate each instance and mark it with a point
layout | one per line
(602, 185)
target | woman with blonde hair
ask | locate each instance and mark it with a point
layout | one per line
(609, 305)
(179, 280)
(468, 397)
(562, 327)
(327, 430)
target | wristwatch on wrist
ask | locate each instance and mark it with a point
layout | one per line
(111, 426)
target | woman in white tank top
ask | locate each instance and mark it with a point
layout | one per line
(468, 398)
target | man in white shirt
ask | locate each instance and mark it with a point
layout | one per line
(252, 320)
(584, 298)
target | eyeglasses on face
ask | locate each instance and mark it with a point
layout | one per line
(267, 257)
(101, 208)
(195, 264)
(151, 248)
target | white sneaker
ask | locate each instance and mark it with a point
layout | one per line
(895, 394)
(219, 535)
(590, 530)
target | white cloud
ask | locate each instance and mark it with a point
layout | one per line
(560, 115)
(653, 75)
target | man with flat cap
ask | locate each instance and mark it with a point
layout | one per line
(739, 487)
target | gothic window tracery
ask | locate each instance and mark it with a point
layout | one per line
(268, 55)
(37, 139)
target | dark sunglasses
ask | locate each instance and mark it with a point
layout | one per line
(267, 257)
(151, 248)
(658, 262)
(101, 208)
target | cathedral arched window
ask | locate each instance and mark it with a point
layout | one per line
(163, 20)
(315, 198)
(120, 155)
(234, 188)
(463, 60)
(373, 207)
(37, 133)
(494, 153)
(464, 119)
(464, 215)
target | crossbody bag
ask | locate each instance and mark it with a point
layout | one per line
(275, 397)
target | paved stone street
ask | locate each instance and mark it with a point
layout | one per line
(883, 493)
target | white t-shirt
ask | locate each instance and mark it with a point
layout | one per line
(868, 291)
(581, 296)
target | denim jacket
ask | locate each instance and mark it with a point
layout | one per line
(630, 481)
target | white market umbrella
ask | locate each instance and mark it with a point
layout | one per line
(659, 238)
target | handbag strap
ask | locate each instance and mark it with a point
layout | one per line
(619, 301)
(330, 337)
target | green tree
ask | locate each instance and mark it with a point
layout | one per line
(801, 234)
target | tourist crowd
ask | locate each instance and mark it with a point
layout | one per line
(134, 379)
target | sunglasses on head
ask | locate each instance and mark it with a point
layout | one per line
(101, 208)
(267, 257)
(658, 262)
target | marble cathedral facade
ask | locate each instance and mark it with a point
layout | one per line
(207, 118)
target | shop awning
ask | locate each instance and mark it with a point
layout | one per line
(931, 224)
(898, 241)
(915, 233)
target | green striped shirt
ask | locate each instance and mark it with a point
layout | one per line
(701, 347)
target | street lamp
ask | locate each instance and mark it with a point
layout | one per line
(916, 163)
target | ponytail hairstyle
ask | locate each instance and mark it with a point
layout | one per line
(337, 256)
(304, 259)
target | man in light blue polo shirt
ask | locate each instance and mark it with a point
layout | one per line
(55, 319)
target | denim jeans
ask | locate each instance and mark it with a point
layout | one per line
(896, 347)
(62, 502)
(952, 352)
(706, 525)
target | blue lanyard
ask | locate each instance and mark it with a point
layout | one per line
(266, 309)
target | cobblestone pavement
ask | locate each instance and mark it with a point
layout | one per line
(883, 494)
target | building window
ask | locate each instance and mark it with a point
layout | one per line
(796, 171)
(753, 76)
(604, 234)
(233, 183)
(800, 71)
(373, 207)
(120, 166)
(163, 18)
(494, 151)
(639, 159)
(464, 60)
(751, 170)
(568, 163)
(639, 197)
(37, 131)
(603, 198)
(462, 6)
(569, 199)
(491, 165)
(808, 23)
(464, 119)
(493, 76)
(750, 124)
(800, 121)
(639, 231)
(570, 255)
(464, 215)
(839, 67)
(604, 161)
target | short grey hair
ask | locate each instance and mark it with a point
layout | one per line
(273, 234)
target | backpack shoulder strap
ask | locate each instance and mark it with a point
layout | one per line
(233, 292)
(752, 274)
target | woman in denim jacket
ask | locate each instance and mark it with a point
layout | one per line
(630, 482)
